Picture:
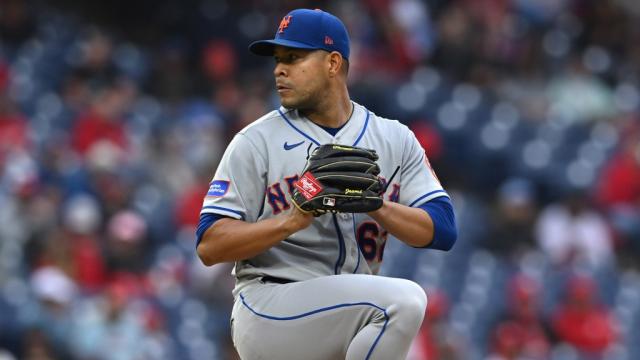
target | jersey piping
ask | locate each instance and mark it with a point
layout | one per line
(355, 236)
(296, 129)
(364, 128)
(342, 247)
(225, 209)
(427, 195)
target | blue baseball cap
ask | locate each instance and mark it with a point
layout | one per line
(307, 29)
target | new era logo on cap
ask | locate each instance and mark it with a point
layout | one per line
(307, 29)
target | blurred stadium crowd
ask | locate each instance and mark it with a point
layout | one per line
(112, 121)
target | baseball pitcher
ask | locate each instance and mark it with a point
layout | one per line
(303, 201)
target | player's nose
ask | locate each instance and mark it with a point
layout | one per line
(280, 70)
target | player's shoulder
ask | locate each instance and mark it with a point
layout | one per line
(262, 131)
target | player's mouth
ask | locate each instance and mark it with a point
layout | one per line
(282, 88)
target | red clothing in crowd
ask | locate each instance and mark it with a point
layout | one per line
(14, 133)
(581, 321)
(620, 182)
(426, 345)
(436, 339)
(89, 268)
(92, 128)
(589, 330)
(521, 334)
(515, 339)
(188, 205)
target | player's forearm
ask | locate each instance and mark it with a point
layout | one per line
(234, 240)
(412, 226)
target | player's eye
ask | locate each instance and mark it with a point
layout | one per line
(287, 58)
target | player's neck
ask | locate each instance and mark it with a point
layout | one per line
(333, 114)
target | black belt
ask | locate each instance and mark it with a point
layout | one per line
(277, 280)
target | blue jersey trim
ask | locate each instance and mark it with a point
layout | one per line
(364, 128)
(224, 209)
(355, 236)
(296, 129)
(330, 130)
(205, 222)
(342, 247)
(427, 195)
(443, 217)
(338, 306)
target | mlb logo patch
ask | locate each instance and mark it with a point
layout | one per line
(218, 188)
(329, 201)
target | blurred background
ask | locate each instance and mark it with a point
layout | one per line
(114, 115)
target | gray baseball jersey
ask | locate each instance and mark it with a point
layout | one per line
(254, 181)
(255, 178)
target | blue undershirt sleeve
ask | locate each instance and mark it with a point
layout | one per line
(445, 234)
(206, 220)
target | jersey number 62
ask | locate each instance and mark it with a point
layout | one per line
(371, 240)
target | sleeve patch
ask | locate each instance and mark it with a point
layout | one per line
(218, 188)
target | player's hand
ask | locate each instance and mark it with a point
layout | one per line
(299, 220)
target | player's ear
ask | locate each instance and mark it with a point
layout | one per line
(335, 63)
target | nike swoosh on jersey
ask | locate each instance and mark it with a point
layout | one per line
(289, 147)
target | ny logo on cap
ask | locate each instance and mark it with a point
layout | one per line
(284, 24)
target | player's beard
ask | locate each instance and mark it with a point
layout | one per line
(298, 103)
(306, 100)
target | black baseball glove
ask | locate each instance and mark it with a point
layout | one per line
(339, 178)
